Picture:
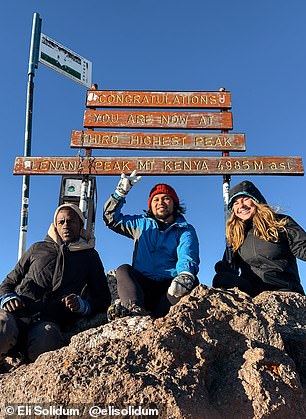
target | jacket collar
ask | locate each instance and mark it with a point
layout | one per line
(86, 241)
(180, 221)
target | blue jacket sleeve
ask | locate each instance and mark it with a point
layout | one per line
(188, 252)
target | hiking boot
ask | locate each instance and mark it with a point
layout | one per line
(116, 311)
(4, 366)
(136, 310)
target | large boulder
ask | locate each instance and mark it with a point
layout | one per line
(217, 354)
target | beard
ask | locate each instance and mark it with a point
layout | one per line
(164, 216)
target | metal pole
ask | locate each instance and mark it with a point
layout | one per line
(84, 207)
(33, 63)
(225, 189)
(84, 196)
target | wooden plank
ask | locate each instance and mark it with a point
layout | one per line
(257, 165)
(153, 119)
(157, 141)
(146, 99)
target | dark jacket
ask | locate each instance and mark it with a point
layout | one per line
(47, 272)
(273, 263)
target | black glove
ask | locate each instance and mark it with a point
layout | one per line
(223, 266)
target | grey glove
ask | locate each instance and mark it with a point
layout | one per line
(125, 184)
(181, 285)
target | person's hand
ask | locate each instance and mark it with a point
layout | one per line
(126, 183)
(76, 304)
(181, 285)
(72, 302)
(13, 304)
(223, 266)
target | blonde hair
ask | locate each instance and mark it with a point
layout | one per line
(266, 226)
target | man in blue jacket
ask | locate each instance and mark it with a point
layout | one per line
(166, 250)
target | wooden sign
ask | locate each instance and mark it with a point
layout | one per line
(157, 141)
(145, 119)
(136, 99)
(159, 165)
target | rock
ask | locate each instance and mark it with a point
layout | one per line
(217, 354)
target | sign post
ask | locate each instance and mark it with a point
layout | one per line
(225, 194)
(158, 166)
(168, 121)
(157, 140)
(49, 52)
(64, 61)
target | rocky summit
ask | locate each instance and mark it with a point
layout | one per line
(217, 354)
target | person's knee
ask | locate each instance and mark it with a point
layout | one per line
(8, 332)
(43, 337)
(122, 270)
(124, 275)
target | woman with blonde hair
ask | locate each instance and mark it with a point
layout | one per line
(264, 246)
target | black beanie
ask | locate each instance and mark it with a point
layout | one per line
(245, 188)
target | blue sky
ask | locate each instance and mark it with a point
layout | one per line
(256, 50)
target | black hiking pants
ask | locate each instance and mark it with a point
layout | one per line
(135, 288)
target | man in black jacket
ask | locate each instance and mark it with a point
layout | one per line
(43, 295)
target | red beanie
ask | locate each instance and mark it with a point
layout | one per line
(165, 189)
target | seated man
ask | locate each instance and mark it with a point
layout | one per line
(166, 251)
(41, 297)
